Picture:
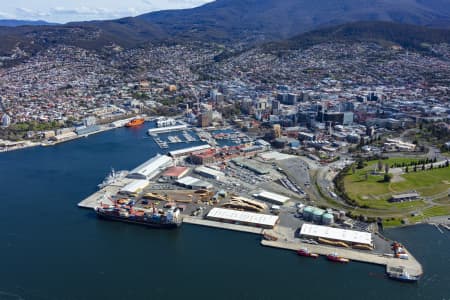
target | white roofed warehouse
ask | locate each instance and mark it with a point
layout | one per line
(242, 218)
(134, 187)
(338, 237)
(152, 167)
(272, 197)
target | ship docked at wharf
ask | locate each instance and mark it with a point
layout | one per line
(135, 122)
(334, 257)
(399, 273)
(154, 218)
(112, 177)
(307, 253)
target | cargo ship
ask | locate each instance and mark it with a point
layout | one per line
(336, 258)
(305, 252)
(135, 122)
(126, 213)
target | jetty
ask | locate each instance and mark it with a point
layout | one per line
(411, 265)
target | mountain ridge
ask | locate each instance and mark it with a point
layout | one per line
(224, 21)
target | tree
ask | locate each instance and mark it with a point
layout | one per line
(380, 165)
(360, 164)
(387, 177)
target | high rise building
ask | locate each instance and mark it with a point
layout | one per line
(6, 120)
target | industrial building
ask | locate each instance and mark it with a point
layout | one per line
(167, 129)
(194, 183)
(175, 172)
(326, 233)
(272, 197)
(242, 218)
(187, 151)
(203, 157)
(151, 168)
(134, 187)
(261, 170)
(209, 173)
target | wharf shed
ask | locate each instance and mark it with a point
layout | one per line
(134, 187)
(272, 197)
(209, 173)
(336, 234)
(242, 218)
(194, 183)
(151, 168)
(188, 151)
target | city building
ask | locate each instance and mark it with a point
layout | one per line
(6, 120)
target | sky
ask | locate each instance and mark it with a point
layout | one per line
(62, 11)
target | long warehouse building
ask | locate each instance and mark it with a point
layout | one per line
(336, 234)
(242, 218)
(187, 151)
(152, 167)
(209, 172)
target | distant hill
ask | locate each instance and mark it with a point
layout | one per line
(407, 36)
(226, 21)
(277, 19)
(15, 23)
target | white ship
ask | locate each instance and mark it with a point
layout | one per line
(112, 177)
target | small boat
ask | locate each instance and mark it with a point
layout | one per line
(135, 122)
(402, 275)
(336, 258)
(306, 252)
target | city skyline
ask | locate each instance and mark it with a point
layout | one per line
(67, 11)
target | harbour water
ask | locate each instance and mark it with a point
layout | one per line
(50, 249)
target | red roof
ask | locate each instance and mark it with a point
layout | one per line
(175, 171)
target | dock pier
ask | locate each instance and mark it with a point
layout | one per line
(411, 265)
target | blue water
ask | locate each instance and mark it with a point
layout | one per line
(50, 249)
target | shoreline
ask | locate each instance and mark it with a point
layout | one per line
(103, 128)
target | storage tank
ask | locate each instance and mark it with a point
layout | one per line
(317, 215)
(307, 213)
(327, 219)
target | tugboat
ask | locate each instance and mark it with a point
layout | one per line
(135, 122)
(336, 258)
(305, 252)
(402, 275)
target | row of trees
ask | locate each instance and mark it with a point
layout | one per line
(414, 163)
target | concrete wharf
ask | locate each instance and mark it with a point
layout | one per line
(411, 265)
(93, 200)
(227, 226)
